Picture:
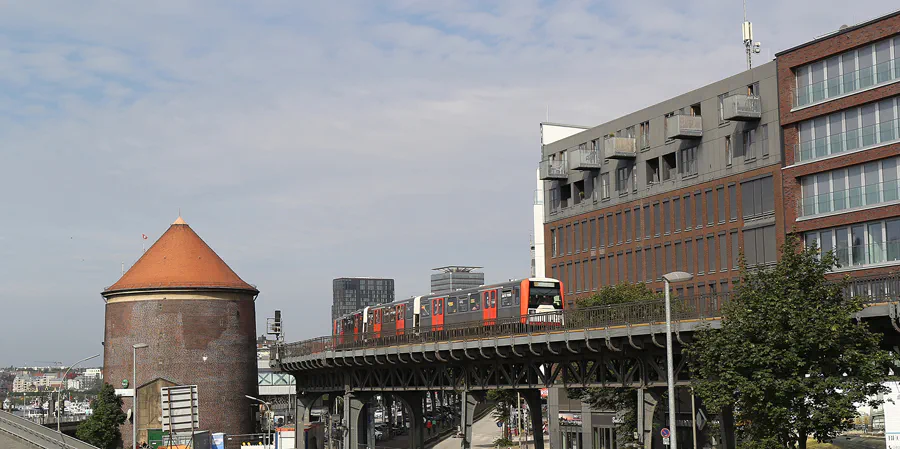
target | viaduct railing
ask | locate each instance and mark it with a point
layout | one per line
(877, 289)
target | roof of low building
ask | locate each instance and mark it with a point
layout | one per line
(180, 259)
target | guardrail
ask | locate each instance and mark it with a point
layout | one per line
(37, 434)
(876, 288)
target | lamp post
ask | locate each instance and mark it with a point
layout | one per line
(58, 390)
(672, 278)
(134, 397)
(266, 439)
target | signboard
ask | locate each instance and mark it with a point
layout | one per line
(892, 416)
(664, 432)
(665, 441)
(180, 409)
(700, 419)
(125, 392)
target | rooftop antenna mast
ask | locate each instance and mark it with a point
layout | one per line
(752, 47)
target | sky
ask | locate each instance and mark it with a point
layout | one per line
(305, 141)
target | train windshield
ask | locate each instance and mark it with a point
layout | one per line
(544, 294)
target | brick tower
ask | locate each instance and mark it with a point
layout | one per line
(199, 322)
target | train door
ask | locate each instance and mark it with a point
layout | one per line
(400, 310)
(489, 307)
(437, 315)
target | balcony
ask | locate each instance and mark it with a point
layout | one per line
(555, 169)
(584, 158)
(684, 127)
(742, 107)
(619, 148)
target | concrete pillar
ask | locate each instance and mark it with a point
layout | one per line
(412, 401)
(587, 427)
(647, 402)
(553, 394)
(533, 399)
(355, 420)
(469, 401)
(301, 413)
(726, 426)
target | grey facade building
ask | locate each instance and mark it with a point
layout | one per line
(684, 185)
(351, 294)
(455, 277)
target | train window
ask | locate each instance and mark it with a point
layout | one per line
(487, 300)
(409, 311)
(506, 298)
(516, 296)
(439, 307)
(493, 298)
(451, 305)
(426, 310)
(475, 303)
(464, 304)
(377, 317)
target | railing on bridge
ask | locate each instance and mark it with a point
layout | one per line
(880, 288)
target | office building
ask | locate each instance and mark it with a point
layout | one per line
(352, 294)
(686, 185)
(839, 97)
(455, 277)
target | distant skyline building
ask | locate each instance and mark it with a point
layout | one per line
(455, 277)
(354, 293)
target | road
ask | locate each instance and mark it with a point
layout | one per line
(858, 442)
(484, 432)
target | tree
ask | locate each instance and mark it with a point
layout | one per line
(789, 360)
(504, 399)
(102, 428)
(622, 400)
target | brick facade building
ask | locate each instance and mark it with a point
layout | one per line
(838, 99)
(198, 319)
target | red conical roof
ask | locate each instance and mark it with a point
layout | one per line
(180, 259)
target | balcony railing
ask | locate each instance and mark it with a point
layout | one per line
(855, 139)
(851, 198)
(619, 148)
(684, 127)
(742, 107)
(584, 158)
(555, 169)
(881, 73)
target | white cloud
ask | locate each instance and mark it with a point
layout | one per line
(306, 141)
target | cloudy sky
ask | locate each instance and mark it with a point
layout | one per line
(311, 140)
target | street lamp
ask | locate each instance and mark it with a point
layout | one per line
(58, 396)
(134, 347)
(266, 439)
(672, 278)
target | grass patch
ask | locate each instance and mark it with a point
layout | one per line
(813, 444)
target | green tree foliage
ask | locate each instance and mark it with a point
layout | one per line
(622, 400)
(102, 428)
(503, 399)
(790, 360)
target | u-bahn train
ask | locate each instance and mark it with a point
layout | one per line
(484, 305)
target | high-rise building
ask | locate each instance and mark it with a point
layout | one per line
(354, 293)
(455, 277)
(684, 185)
(839, 97)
